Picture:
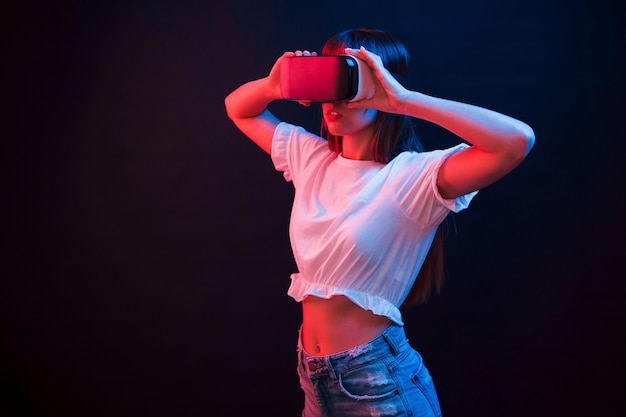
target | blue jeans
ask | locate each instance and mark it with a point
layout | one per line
(384, 377)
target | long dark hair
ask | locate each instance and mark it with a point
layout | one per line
(395, 133)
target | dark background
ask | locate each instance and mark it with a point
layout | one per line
(145, 256)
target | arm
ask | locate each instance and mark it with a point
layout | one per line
(247, 105)
(499, 142)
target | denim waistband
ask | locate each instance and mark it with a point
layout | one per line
(390, 342)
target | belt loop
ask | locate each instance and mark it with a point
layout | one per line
(331, 370)
(394, 348)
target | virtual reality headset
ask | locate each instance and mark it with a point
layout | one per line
(326, 78)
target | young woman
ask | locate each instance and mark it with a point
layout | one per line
(367, 207)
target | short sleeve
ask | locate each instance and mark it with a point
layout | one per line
(415, 186)
(453, 204)
(280, 141)
(294, 149)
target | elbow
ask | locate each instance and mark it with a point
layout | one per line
(228, 106)
(234, 105)
(529, 138)
(522, 142)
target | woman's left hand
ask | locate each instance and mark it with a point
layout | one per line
(389, 95)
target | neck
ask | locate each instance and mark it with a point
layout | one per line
(358, 146)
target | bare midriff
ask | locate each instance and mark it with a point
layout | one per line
(337, 324)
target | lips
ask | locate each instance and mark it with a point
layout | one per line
(332, 116)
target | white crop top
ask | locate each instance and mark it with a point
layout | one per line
(361, 229)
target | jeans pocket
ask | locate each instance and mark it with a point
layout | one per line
(368, 383)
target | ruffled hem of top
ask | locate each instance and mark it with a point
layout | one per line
(301, 288)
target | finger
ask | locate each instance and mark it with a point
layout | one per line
(361, 53)
(374, 61)
(352, 51)
(361, 104)
(370, 57)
